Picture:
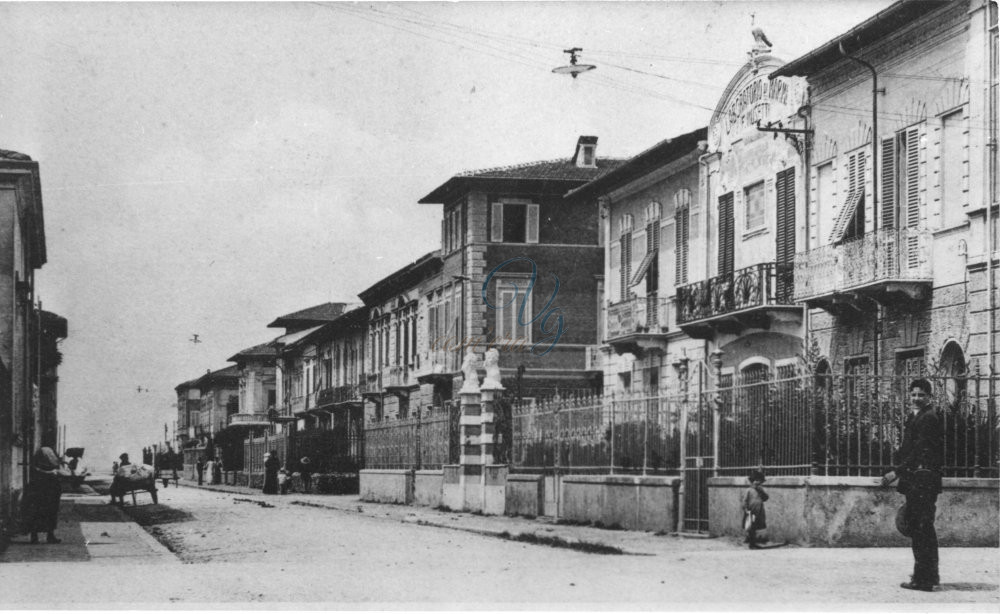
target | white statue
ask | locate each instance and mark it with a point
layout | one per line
(492, 363)
(469, 373)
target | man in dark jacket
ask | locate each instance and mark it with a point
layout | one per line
(918, 469)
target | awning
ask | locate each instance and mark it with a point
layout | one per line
(846, 214)
(643, 268)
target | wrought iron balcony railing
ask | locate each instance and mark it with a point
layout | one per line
(648, 314)
(893, 255)
(760, 285)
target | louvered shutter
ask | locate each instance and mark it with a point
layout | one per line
(626, 263)
(681, 220)
(889, 183)
(532, 231)
(785, 206)
(726, 238)
(444, 233)
(496, 230)
(912, 195)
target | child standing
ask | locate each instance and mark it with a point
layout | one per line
(284, 479)
(754, 518)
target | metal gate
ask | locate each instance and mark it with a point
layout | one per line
(699, 461)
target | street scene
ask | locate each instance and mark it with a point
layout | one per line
(312, 549)
(635, 305)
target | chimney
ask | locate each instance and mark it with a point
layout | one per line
(586, 152)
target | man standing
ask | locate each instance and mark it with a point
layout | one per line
(918, 469)
(200, 468)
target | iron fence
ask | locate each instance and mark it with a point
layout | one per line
(789, 421)
(587, 433)
(425, 441)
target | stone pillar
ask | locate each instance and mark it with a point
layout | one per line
(494, 477)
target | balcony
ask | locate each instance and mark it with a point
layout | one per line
(398, 380)
(297, 405)
(372, 390)
(752, 297)
(442, 366)
(888, 266)
(249, 420)
(638, 325)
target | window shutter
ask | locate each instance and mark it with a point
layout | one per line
(444, 233)
(912, 175)
(785, 201)
(625, 270)
(496, 230)
(889, 183)
(726, 238)
(532, 231)
(681, 249)
(912, 195)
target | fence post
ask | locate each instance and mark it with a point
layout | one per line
(645, 435)
(716, 410)
(611, 461)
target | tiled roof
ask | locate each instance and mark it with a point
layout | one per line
(327, 312)
(562, 169)
(264, 349)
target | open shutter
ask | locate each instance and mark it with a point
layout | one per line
(912, 195)
(889, 183)
(532, 230)
(625, 269)
(726, 234)
(785, 205)
(496, 230)
(681, 220)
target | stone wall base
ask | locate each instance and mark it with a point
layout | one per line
(855, 511)
(630, 502)
(386, 485)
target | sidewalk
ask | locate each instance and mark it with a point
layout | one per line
(91, 530)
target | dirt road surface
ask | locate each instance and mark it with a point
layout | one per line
(269, 551)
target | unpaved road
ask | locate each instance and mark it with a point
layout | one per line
(238, 551)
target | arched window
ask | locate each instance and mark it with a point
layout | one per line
(953, 369)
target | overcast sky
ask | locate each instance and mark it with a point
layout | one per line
(209, 167)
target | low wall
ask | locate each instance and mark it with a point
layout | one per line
(386, 485)
(631, 502)
(494, 489)
(855, 511)
(427, 486)
(452, 495)
(525, 495)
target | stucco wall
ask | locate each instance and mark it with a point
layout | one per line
(855, 511)
(427, 487)
(525, 495)
(632, 502)
(386, 485)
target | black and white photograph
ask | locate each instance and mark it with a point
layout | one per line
(685, 305)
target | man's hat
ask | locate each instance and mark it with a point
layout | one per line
(123, 456)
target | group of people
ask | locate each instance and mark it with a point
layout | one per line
(278, 478)
(917, 476)
(213, 467)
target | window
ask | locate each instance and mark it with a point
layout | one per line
(682, 217)
(625, 255)
(510, 296)
(514, 222)
(452, 230)
(753, 197)
(900, 179)
(850, 222)
(953, 160)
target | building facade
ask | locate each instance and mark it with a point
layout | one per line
(525, 266)
(27, 388)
